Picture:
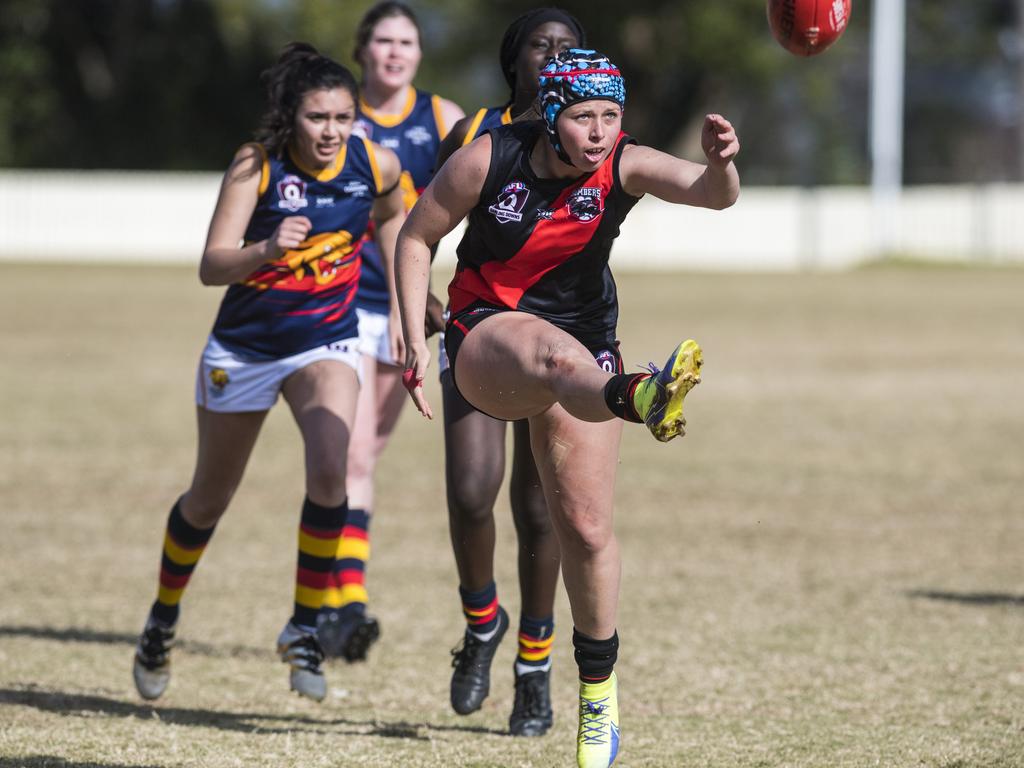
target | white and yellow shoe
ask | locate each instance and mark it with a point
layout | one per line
(597, 742)
(659, 398)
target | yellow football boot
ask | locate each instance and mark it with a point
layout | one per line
(659, 398)
(597, 742)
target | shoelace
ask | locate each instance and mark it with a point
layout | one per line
(530, 696)
(594, 717)
(306, 653)
(154, 646)
(463, 655)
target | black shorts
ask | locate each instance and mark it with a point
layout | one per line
(606, 353)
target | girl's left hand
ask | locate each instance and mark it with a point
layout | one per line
(719, 141)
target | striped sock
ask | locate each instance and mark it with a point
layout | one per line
(535, 639)
(318, 541)
(481, 610)
(183, 546)
(346, 587)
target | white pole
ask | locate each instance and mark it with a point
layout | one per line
(888, 43)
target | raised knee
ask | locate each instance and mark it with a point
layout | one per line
(560, 358)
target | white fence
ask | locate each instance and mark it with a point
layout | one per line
(162, 217)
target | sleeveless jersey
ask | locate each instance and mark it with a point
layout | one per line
(304, 299)
(542, 245)
(486, 118)
(415, 136)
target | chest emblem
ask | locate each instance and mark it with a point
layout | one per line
(291, 193)
(418, 135)
(510, 203)
(585, 204)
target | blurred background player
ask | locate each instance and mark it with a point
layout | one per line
(411, 123)
(300, 201)
(475, 455)
(532, 331)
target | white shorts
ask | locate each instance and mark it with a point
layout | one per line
(373, 336)
(227, 384)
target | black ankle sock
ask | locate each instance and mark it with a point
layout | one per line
(595, 658)
(618, 395)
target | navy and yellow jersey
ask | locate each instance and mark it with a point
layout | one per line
(415, 136)
(304, 299)
(542, 245)
(486, 118)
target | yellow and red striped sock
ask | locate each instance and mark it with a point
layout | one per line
(480, 609)
(183, 546)
(536, 637)
(319, 531)
(346, 586)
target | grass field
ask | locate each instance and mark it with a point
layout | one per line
(827, 571)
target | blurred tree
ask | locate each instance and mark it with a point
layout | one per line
(174, 84)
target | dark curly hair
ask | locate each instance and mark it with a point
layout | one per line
(382, 10)
(300, 69)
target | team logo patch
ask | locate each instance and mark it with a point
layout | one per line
(585, 204)
(418, 135)
(291, 191)
(510, 203)
(606, 361)
(219, 378)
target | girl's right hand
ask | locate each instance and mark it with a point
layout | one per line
(417, 356)
(290, 234)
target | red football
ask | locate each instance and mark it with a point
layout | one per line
(807, 27)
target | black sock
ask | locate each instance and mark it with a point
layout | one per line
(595, 658)
(618, 395)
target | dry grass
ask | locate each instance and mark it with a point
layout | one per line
(825, 572)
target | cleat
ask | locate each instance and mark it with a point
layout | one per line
(347, 635)
(597, 742)
(531, 713)
(152, 666)
(659, 398)
(471, 680)
(302, 652)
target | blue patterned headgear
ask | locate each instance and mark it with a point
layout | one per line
(572, 76)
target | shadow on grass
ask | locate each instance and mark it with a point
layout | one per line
(49, 761)
(78, 704)
(77, 635)
(969, 598)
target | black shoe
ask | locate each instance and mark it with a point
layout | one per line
(531, 713)
(471, 680)
(347, 635)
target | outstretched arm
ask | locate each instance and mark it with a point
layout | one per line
(715, 185)
(444, 203)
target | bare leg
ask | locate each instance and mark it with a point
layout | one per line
(514, 365)
(474, 465)
(322, 397)
(225, 443)
(577, 462)
(539, 552)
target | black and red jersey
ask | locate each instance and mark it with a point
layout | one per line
(541, 245)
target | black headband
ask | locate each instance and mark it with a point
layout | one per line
(520, 30)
